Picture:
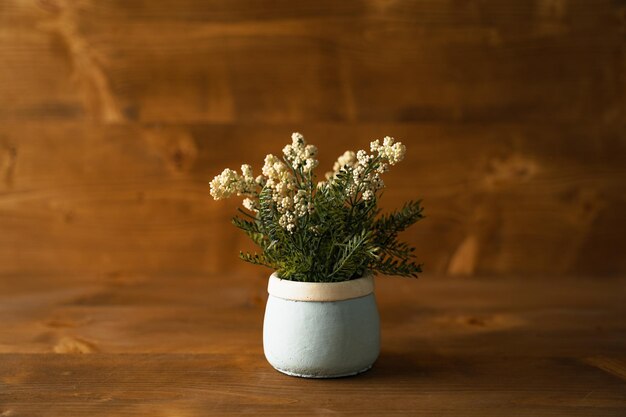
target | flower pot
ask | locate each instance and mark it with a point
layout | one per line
(321, 330)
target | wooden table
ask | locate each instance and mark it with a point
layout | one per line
(182, 345)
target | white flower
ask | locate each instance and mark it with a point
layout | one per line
(285, 204)
(365, 169)
(309, 164)
(282, 183)
(297, 138)
(368, 195)
(302, 203)
(390, 151)
(230, 183)
(288, 222)
(248, 183)
(250, 204)
(274, 168)
(292, 203)
(246, 171)
(225, 185)
(363, 158)
(347, 159)
(299, 154)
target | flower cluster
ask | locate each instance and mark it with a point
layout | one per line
(365, 178)
(329, 233)
(279, 177)
(230, 183)
(347, 159)
(291, 199)
(300, 155)
(390, 152)
(366, 169)
(282, 183)
(291, 203)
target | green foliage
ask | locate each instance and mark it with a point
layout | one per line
(340, 239)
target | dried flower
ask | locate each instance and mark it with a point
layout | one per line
(230, 183)
(296, 222)
(390, 151)
(300, 155)
(293, 203)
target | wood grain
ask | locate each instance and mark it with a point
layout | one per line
(120, 291)
(115, 115)
(216, 385)
(135, 199)
(191, 345)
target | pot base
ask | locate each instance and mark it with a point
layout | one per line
(316, 376)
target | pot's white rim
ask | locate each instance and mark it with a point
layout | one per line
(320, 291)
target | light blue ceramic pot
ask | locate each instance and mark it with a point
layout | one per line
(321, 330)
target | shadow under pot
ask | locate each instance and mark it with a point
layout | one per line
(321, 330)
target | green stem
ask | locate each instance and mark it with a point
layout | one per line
(345, 258)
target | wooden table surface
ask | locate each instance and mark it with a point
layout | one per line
(191, 346)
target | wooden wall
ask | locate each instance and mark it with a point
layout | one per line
(114, 116)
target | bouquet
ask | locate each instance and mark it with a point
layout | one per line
(325, 231)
